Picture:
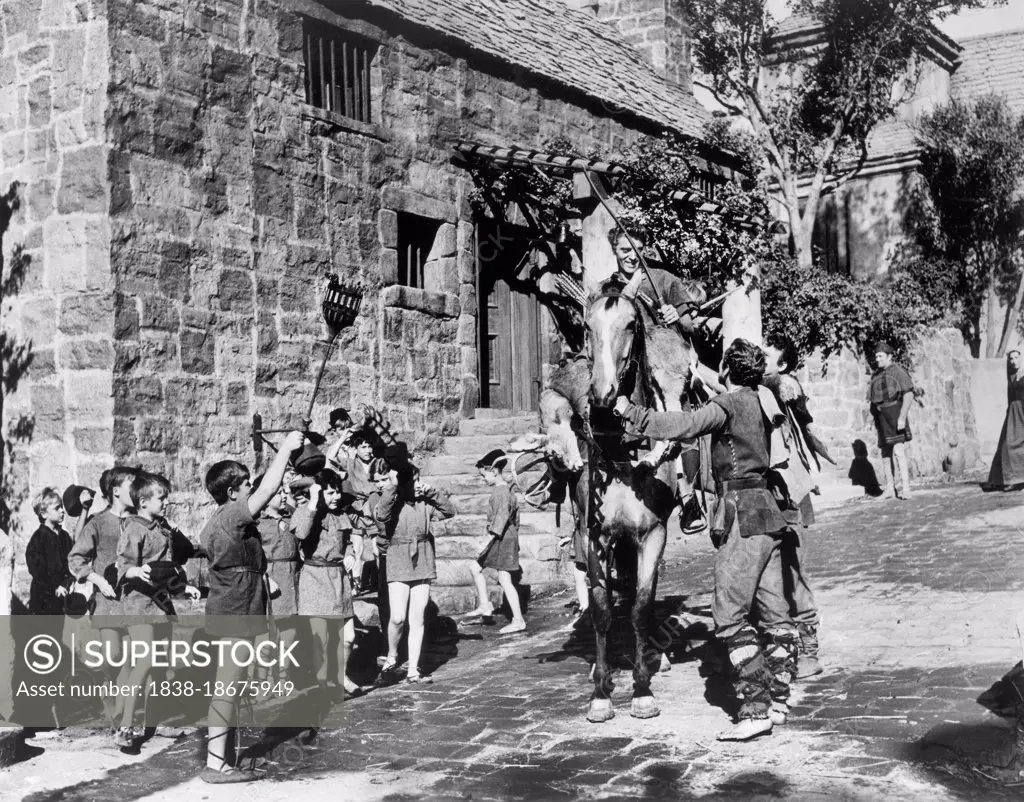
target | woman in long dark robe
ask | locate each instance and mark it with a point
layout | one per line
(1008, 464)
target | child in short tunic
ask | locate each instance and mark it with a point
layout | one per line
(93, 558)
(502, 552)
(405, 510)
(325, 584)
(233, 547)
(282, 552)
(146, 539)
(94, 555)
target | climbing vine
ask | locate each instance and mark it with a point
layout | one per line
(818, 310)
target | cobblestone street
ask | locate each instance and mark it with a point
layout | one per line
(917, 600)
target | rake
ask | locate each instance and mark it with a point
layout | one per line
(340, 308)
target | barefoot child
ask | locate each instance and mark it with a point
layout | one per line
(405, 510)
(237, 606)
(502, 553)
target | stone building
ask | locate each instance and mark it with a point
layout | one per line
(192, 171)
(862, 221)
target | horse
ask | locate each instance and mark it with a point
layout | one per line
(625, 497)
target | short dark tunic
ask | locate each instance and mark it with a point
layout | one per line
(739, 457)
(282, 553)
(95, 550)
(143, 541)
(886, 395)
(47, 558)
(502, 552)
(1008, 463)
(325, 586)
(406, 525)
(232, 544)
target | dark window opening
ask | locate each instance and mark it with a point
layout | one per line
(415, 239)
(708, 186)
(338, 70)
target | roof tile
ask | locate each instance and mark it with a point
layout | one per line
(564, 45)
(992, 64)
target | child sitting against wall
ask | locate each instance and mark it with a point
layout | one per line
(502, 552)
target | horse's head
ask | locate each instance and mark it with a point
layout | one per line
(612, 322)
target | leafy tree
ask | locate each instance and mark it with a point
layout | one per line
(814, 118)
(15, 359)
(969, 214)
(818, 310)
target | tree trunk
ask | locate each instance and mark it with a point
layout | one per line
(802, 237)
(992, 320)
(1012, 315)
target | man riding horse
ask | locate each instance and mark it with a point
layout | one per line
(667, 300)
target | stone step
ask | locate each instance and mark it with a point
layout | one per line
(476, 445)
(505, 426)
(458, 599)
(495, 413)
(476, 504)
(534, 572)
(529, 522)
(540, 546)
(447, 465)
(460, 484)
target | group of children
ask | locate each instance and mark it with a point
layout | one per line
(277, 547)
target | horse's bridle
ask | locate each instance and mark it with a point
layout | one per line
(636, 360)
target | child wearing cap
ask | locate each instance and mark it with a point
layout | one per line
(502, 552)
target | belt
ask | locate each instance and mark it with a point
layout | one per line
(318, 562)
(245, 569)
(741, 484)
(282, 560)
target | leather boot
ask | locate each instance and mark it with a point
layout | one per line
(807, 664)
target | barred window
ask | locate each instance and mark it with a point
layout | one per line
(708, 186)
(338, 69)
(415, 240)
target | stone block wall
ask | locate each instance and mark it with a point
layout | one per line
(658, 29)
(945, 434)
(53, 79)
(184, 206)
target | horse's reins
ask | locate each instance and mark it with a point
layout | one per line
(637, 371)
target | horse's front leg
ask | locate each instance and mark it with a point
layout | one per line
(600, 708)
(649, 550)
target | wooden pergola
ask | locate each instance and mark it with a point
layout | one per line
(568, 166)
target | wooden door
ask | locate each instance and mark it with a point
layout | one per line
(509, 322)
